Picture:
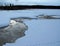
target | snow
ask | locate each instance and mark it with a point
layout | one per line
(14, 31)
(40, 32)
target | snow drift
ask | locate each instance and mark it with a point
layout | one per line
(14, 31)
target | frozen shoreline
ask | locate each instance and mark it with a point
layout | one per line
(12, 32)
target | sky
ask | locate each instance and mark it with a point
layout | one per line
(36, 1)
(32, 0)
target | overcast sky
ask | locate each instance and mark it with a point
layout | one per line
(36, 1)
(32, 0)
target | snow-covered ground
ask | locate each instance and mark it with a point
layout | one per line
(6, 15)
(40, 32)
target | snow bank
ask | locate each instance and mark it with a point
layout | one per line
(14, 31)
